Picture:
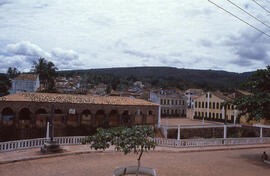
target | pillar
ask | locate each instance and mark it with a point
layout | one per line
(178, 133)
(208, 102)
(159, 113)
(223, 116)
(234, 116)
(261, 132)
(225, 131)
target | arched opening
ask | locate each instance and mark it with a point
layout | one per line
(113, 118)
(41, 118)
(138, 117)
(7, 116)
(86, 117)
(24, 118)
(58, 118)
(150, 117)
(126, 120)
(73, 119)
(100, 118)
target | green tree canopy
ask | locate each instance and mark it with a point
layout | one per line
(12, 72)
(257, 105)
(135, 139)
(47, 73)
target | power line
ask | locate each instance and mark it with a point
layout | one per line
(240, 19)
(248, 13)
(261, 6)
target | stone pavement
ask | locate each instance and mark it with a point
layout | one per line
(31, 154)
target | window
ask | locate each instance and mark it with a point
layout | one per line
(161, 101)
(195, 114)
(209, 105)
(209, 114)
(216, 115)
(168, 102)
(176, 102)
(213, 115)
(183, 102)
(199, 114)
(172, 102)
(205, 114)
(195, 104)
(214, 105)
(199, 104)
(217, 105)
(232, 117)
(229, 106)
(202, 115)
(220, 115)
(206, 105)
(202, 104)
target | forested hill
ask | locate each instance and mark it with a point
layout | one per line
(164, 77)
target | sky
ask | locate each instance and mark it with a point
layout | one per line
(86, 34)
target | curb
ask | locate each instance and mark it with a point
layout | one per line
(111, 151)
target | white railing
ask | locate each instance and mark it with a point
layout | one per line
(73, 140)
(199, 126)
(209, 142)
(39, 142)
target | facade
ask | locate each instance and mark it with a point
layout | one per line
(172, 102)
(25, 83)
(191, 94)
(208, 106)
(32, 110)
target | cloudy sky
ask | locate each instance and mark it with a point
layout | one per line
(83, 34)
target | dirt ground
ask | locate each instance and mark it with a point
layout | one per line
(184, 121)
(215, 163)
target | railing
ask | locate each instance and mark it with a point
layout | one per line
(36, 143)
(200, 126)
(39, 142)
(209, 142)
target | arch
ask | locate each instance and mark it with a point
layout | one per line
(126, 119)
(24, 114)
(24, 118)
(139, 116)
(41, 111)
(41, 118)
(100, 117)
(58, 111)
(86, 117)
(114, 118)
(8, 116)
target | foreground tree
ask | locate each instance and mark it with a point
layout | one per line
(135, 139)
(257, 105)
(47, 73)
(12, 72)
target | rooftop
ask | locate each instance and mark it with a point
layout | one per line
(27, 77)
(80, 99)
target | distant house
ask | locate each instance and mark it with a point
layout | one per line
(138, 84)
(25, 83)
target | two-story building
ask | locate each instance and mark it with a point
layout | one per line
(172, 102)
(25, 83)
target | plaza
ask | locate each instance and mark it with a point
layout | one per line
(208, 162)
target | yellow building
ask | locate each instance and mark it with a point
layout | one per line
(208, 106)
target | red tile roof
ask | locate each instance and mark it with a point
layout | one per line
(80, 99)
(29, 77)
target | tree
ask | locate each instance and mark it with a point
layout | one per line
(257, 104)
(135, 139)
(12, 72)
(47, 73)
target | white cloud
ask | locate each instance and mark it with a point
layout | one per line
(26, 48)
(94, 34)
(67, 55)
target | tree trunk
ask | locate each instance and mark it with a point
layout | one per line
(139, 163)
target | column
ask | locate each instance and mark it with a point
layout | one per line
(223, 117)
(234, 115)
(208, 102)
(225, 131)
(159, 113)
(261, 132)
(178, 133)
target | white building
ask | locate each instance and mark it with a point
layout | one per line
(172, 102)
(25, 83)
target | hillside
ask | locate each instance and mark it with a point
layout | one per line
(166, 77)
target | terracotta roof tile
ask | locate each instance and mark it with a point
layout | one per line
(29, 77)
(80, 99)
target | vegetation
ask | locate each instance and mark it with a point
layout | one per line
(12, 72)
(47, 73)
(127, 140)
(256, 105)
(156, 77)
(4, 84)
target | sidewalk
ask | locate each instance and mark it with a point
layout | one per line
(31, 154)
